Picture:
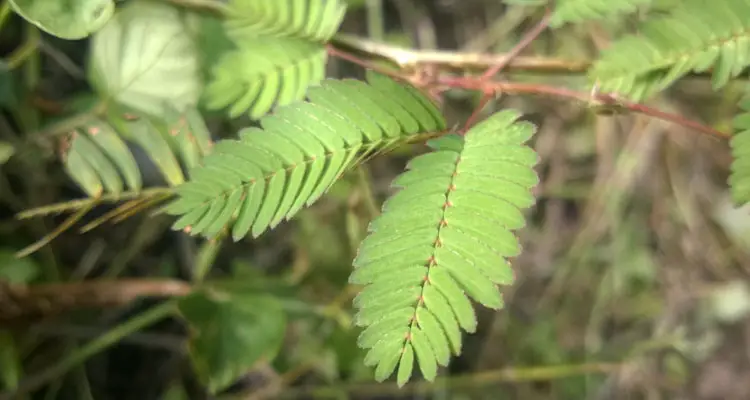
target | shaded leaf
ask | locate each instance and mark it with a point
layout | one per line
(146, 59)
(66, 19)
(231, 332)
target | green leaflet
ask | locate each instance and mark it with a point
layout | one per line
(108, 161)
(82, 172)
(66, 19)
(312, 20)
(693, 37)
(265, 73)
(739, 180)
(266, 176)
(280, 53)
(442, 239)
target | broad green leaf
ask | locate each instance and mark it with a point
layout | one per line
(6, 152)
(66, 19)
(9, 87)
(231, 332)
(146, 59)
(15, 270)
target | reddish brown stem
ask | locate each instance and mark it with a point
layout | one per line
(492, 71)
(519, 47)
(597, 98)
(476, 83)
(34, 301)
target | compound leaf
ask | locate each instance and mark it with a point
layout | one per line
(434, 247)
(567, 11)
(695, 36)
(312, 20)
(739, 179)
(267, 175)
(265, 73)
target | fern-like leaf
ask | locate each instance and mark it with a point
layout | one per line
(100, 161)
(445, 235)
(581, 10)
(269, 174)
(696, 36)
(739, 180)
(262, 74)
(314, 20)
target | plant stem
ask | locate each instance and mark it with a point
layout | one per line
(22, 53)
(456, 382)
(502, 63)
(54, 298)
(77, 204)
(4, 13)
(206, 257)
(97, 345)
(410, 58)
(375, 20)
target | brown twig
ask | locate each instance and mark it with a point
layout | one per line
(592, 99)
(519, 47)
(474, 83)
(495, 69)
(34, 301)
(451, 60)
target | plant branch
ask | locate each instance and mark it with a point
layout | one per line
(457, 382)
(22, 53)
(519, 47)
(474, 83)
(34, 301)
(90, 201)
(452, 60)
(514, 52)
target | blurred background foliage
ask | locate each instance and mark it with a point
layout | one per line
(632, 283)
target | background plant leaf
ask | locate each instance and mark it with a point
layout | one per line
(146, 59)
(66, 19)
(232, 331)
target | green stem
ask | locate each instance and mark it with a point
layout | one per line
(375, 20)
(477, 380)
(27, 49)
(206, 257)
(4, 13)
(95, 346)
(77, 204)
(366, 186)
